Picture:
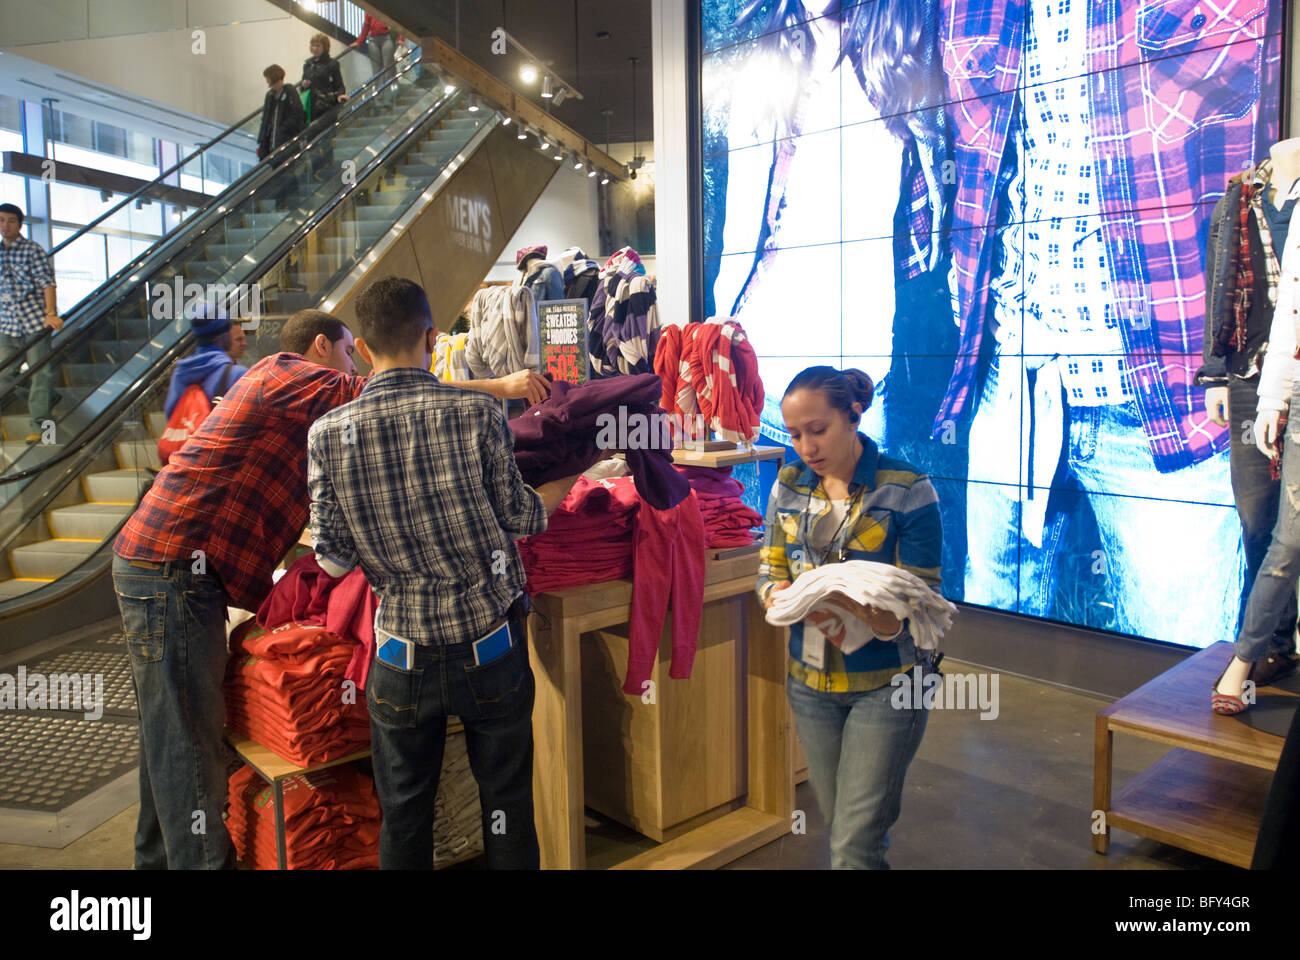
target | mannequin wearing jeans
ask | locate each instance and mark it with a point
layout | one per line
(1260, 655)
(846, 501)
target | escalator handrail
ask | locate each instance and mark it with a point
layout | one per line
(260, 170)
(166, 248)
(146, 381)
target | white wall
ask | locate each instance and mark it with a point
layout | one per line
(564, 216)
(223, 84)
(671, 176)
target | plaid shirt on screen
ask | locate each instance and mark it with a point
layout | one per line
(417, 482)
(25, 272)
(237, 490)
(1184, 96)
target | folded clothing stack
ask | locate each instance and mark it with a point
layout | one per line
(331, 820)
(728, 522)
(588, 539)
(345, 606)
(883, 585)
(285, 689)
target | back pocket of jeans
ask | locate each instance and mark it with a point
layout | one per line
(144, 623)
(497, 686)
(392, 694)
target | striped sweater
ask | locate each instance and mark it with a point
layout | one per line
(894, 520)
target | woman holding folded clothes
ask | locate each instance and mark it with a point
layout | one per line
(844, 500)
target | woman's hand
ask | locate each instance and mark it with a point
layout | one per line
(882, 623)
(767, 604)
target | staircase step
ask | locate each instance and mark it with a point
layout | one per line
(137, 454)
(15, 426)
(133, 328)
(87, 521)
(115, 486)
(16, 588)
(50, 559)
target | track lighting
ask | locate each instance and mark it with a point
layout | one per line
(505, 120)
(560, 94)
(473, 103)
(577, 163)
(604, 180)
(521, 133)
(547, 92)
(591, 174)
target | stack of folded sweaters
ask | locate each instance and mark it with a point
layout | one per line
(331, 820)
(728, 522)
(588, 539)
(285, 689)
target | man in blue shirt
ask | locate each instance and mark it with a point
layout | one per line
(27, 307)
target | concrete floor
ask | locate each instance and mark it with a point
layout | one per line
(1014, 792)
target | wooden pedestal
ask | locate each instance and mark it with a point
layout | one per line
(1208, 795)
(749, 659)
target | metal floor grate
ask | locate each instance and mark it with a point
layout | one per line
(48, 761)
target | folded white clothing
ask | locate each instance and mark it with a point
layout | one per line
(882, 585)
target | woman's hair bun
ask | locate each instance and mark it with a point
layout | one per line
(862, 387)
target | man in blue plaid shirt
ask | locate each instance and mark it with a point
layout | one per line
(416, 481)
(27, 307)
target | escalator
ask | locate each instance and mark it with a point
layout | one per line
(413, 177)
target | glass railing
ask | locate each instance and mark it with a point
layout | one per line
(119, 233)
(286, 245)
(108, 437)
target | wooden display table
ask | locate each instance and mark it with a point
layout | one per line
(558, 620)
(727, 457)
(1206, 796)
(274, 769)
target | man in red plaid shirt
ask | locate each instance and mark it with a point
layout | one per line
(207, 534)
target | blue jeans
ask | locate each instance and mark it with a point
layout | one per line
(1257, 497)
(408, 730)
(1273, 595)
(38, 391)
(174, 622)
(1170, 563)
(859, 748)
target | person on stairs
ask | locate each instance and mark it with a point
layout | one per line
(27, 308)
(1265, 647)
(211, 364)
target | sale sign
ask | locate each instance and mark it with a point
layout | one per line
(563, 330)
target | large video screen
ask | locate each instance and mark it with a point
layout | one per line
(999, 210)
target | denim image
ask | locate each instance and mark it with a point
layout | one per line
(39, 388)
(858, 748)
(408, 730)
(1157, 568)
(1273, 596)
(1257, 496)
(174, 623)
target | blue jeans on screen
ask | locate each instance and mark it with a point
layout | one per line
(174, 623)
(1273, 597)
(1170, 560)
(408, 731)
(859, 748)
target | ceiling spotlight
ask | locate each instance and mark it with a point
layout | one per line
(542, 141)
(505, 120)
(592, 173)
(521, 133)
(604, 180)
(528, 73)
(559, 154)
(449, 89)
(547, 92)
(577, 163)
(560, 94)
(473, 103)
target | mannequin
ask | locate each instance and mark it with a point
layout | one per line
(1272, 596)
(538, 275)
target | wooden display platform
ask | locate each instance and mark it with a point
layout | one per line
(731, 455)
(1206, 796)
(555, 627)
